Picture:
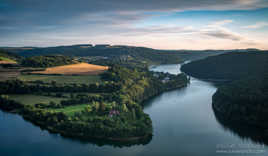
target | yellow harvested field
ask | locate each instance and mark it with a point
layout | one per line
(7, 62)
(75, 69)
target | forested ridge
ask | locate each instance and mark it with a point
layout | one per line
(229, 66)
(119, 54)
(245, 97)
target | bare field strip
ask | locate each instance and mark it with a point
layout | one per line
(7, 62)
(74, 69)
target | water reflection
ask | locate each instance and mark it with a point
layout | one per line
(98, 142)
(101, 142)
(255, 134)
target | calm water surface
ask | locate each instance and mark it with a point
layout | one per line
(183, 120)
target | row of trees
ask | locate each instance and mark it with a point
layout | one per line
(21, 87)
(46, 61)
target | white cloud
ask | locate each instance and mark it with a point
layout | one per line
(257, 25)
(217, 30)
(222, 33)
(212, 30)
(221, 23)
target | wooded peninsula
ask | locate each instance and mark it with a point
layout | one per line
(107, 105)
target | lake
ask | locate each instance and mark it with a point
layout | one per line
(183, 120)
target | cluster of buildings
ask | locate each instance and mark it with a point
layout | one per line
(164, 80)
(113, 113)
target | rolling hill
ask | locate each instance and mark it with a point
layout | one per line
(123, 54)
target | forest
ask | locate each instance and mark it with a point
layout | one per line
(243, 95)
(46, 61)
(111, 109)
(228, 66)
(138, 56)
(10, 55)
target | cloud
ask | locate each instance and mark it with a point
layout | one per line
(257, 25)
(157, 30)
(222, 34)
(214, 30)
(217, 30)
(221, 23)
(69, 19)
(40, 12)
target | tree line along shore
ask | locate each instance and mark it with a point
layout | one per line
(106, 105)
(243, 97)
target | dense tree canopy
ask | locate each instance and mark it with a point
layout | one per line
(245, 97)
(112, 109)
(46, 61)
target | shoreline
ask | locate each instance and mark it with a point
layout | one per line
(82, 136)
(29, 115)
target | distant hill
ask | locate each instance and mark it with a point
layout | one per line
(117, 53)
(108, 50)
(104, 54)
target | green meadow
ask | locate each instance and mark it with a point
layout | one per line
(70, 110)
(7, 59)
(30, 99)
(61, 79)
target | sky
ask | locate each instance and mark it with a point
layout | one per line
(159, 24)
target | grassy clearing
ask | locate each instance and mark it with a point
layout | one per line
(30, 99)
(5, 60)
(82, 79)
(80, 93)
(8, 74)
(70, 110)
(75, 69)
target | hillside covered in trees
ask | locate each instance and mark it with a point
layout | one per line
(229, 66)
(110, 109)
(245, 97)
(125, 55)
(9, 57)
(46, 61)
